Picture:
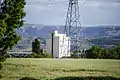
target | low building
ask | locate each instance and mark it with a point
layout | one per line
(58, 45)
(19, 54)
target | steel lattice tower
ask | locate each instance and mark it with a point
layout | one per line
(73, 25)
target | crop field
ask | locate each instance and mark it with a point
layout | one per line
(17, 68)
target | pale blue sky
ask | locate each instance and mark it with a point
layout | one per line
(53, 12)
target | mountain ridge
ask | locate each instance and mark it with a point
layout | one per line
(45, 30)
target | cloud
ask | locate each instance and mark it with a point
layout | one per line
(53, 12)
(101, 3)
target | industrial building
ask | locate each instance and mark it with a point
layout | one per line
(58, 45)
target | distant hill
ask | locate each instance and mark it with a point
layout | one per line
(106, 41)
(101, 35)
(37, 30)
(90, 32)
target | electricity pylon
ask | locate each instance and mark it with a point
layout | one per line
(73, 25)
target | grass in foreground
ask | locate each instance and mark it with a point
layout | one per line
(15, 69)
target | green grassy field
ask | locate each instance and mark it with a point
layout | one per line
(14, 68)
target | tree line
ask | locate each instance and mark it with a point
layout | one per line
(101, 53)
(37, 52)
(97, 52)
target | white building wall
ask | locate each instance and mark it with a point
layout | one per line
(61, 45)
(64, 47)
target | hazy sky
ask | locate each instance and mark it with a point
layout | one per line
(53, 12)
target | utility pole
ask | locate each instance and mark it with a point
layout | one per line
(52, 45)
(73, 25)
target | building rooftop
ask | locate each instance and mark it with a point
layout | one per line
(58, 34)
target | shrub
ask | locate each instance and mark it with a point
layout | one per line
(40, 55)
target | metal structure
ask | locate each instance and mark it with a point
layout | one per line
(73, 25)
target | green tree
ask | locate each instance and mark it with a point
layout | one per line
(11, 18)
(36, 46)
(37, 51)
(118, 51)
(115, 53)
(95, 52)
(106, 54)
(98, 52)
